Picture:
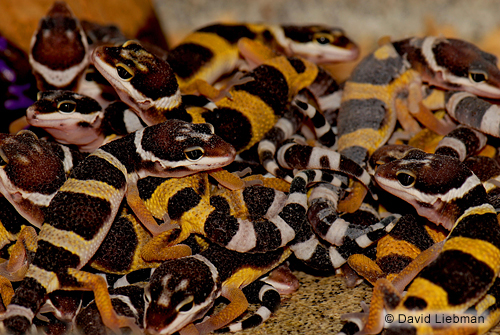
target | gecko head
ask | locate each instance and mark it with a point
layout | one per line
(179, 292)
(433, 184)
(71, 118)
(143, 80)
(29, 164)
(59, 49)
(178, 148)
(318, 43)
(460, 65)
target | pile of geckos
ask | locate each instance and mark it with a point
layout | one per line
(161, 181)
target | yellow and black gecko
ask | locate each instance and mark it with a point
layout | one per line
(119, 252)
(147, 84)
(387, 86)
(213, 51)
(446, 192)
(181, 197)
(236, 279)
(81, 212)
(192, 297)
(32, 171)
(182, 290)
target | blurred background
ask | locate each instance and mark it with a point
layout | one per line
(364, 21)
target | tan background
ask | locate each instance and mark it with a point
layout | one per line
(364, 21)
(359, 18)
(19, 18)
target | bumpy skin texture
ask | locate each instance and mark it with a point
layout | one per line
(212, 51)
(463, 271)
(194, 282)
(385, 85)
(90, 199)
(59, 52)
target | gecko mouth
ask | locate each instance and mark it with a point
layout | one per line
(56, 120)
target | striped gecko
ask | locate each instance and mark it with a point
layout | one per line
(148, 85)
(81, 212)
(387, 86)
(213, 51)
(464, 267)
(76, 119)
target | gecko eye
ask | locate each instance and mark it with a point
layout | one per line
(194, 154)
(406, 179)
(66, 106)
(478, 76)
(124, 72)
(323, 38)
(185, 305)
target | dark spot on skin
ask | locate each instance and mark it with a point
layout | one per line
(415, 303)
(188, 58)
(53, 258)
(181, 202)
(229, 124)
(95, 168)
(117, 250)
(77, 212)
(465, 277)
(147, 186)
(297, 64)
(270, 85)
(231, 33)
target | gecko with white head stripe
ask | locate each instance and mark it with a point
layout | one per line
(372, 102)
(59, 49)
(108, 175)
(446, 192)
